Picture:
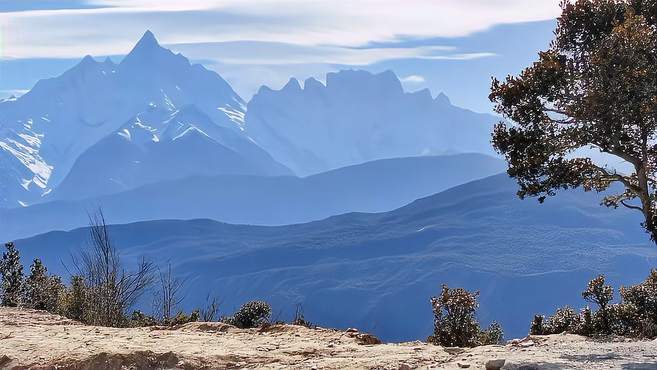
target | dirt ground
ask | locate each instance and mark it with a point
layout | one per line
(38, 340)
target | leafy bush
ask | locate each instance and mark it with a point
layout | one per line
(455, 323)
(643, 296)
(586, 326)
(250, 315)
(492, 335)
(601, 294)
(634, 316)
(564, 319)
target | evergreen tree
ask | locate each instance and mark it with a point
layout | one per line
(76, 299)
(11, 270)
(42, 292)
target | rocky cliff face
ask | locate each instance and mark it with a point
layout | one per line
(37, 340)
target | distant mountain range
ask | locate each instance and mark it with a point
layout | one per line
(44, 132)
(376, 186)
(377, 271)
(102, 128)
(357, 117)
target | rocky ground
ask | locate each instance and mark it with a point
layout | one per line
(37, 340)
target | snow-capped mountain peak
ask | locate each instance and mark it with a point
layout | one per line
(43, 132)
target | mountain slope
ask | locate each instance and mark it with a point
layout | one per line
(377, 271)
(43, 132)
(357, 117)
(160, 146)
(371, 187)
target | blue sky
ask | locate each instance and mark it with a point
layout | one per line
(450, 46)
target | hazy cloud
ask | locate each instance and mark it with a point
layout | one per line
(328, 25)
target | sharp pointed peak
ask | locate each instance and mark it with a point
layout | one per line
(87, 60)
(86, 63)
(148, 39)
(146, 45)
(292, 84)
(443, 99)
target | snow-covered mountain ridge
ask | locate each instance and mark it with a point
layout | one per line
(43, 132)
(102, 127)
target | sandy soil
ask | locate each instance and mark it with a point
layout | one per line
(38, 340)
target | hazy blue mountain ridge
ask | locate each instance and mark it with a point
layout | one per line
(377, 271)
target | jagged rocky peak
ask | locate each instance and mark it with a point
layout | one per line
(148, 53)
(349, 80)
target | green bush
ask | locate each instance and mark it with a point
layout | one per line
(536, 327)
(492, 335)
(634, 316)
(250, 315)
(643, 296)
(565, 319)
(455, 323)
(601, 294)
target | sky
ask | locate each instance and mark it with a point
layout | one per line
(451, 46)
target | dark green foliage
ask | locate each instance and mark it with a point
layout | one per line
(634, 316)
(586, 326)
(494, 334)
(140, 319)
(11, 270)
(594, 87)
(536, 327)
(644, 297)
(42, 292)
(182, 318)
(622, 319)
(75, 299)
(565, 319)
(250, 315)
(455, 323)
(600, 294)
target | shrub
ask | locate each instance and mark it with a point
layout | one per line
(140, 319)
(565, 319)
(635, 315)
(455, 324)
(536, 327)
(643, 297)
(210, 311)
(250, 315)
(299, 318)
(182, 318)
(11, 270)
(600, 294)
(586, 325)
(42, 292)
(492, 335)
(623, 319)
(110, 289)
(74, 299)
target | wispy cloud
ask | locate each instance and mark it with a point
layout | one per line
(330, 26)
(413, 79)
(277, 53)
